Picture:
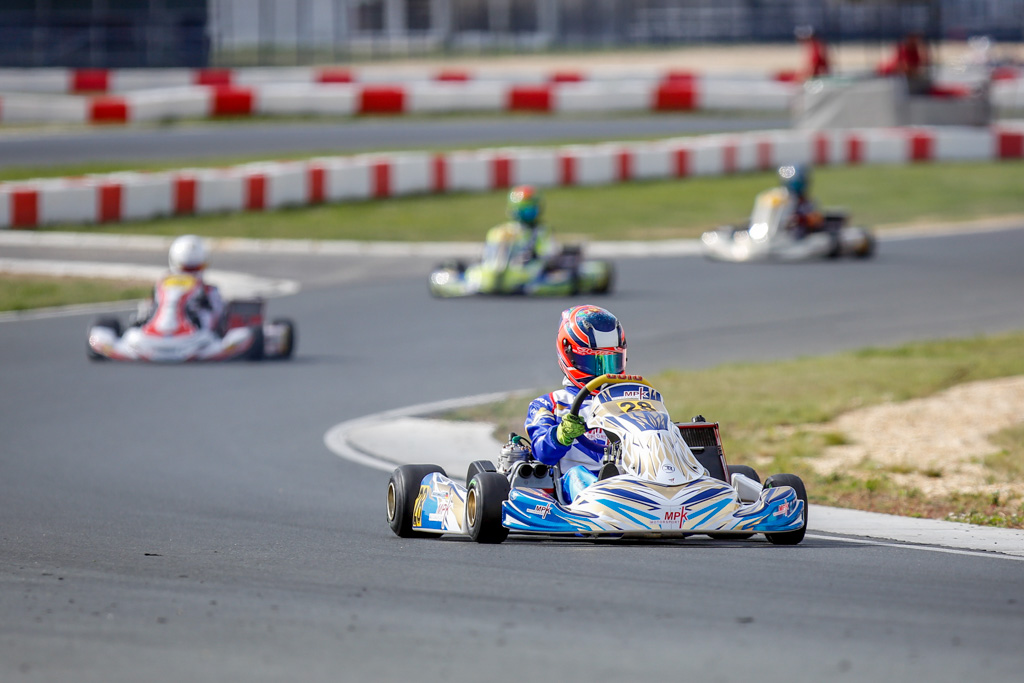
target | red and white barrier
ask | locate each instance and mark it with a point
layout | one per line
(59, 80)
(271, 185)
(348, 99)
(66, 81)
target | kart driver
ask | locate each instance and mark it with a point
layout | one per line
(590, 343)
(188, 256)
(534, 242)
(806, 216)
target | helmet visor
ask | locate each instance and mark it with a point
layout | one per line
(600, 361)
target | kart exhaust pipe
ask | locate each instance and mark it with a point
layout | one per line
(538, 470)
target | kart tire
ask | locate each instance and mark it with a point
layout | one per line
(112, 324)
(788, 537)
(606, 286)
(289, 349)
(484, 496)
(478, 466)
(256, 351)
(747, 472)
(403, 489)
(866, 250)
(836, 248)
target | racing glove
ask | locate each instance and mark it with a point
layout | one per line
(569, 428)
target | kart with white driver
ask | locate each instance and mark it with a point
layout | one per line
(767, 236)
(508, 267)
(166, 331)
(659, 479)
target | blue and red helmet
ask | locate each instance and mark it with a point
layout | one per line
(524, 204)
(590, 343)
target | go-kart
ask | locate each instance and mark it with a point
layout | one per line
(508, 267)
(165, 331)
(659, 479)
(766, 237)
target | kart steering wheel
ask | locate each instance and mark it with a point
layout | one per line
(599, 382)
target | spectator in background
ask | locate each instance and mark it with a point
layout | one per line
(910, 60)
(817, 65)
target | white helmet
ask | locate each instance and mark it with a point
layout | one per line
(187, 254)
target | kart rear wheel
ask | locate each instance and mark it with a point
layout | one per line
(486, 492)
(288, 349)
(403, 489)
(745, 470)
(256, 351)
(112, 324)
(867, 248)
(788, 537)
(478, 466)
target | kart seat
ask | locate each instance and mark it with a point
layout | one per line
(608, 470)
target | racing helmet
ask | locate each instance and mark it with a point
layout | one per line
(590, 342)
(187, 254)
(796, 179)
(524, 204)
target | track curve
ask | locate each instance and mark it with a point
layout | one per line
(188, 522)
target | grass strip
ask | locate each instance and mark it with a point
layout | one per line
(767, 414)
(25, 292)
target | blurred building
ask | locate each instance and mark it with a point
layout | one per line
(191, 32)
(104, 33)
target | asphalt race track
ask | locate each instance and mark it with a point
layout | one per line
(188, 523)
(40, 147)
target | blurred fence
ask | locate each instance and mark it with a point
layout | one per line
(124, 33)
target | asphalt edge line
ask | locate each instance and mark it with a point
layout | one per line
(337, 437)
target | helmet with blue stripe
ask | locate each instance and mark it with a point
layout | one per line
(590, 343)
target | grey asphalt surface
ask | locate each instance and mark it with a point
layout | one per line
(198, 142)
(188, 523)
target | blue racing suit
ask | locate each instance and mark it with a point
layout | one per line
(579, 461)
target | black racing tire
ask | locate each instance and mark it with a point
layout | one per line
(289, 349)
(478, 466)
(112, 324)
(836, 248)
(745, 470)
(403, 489)
(257, 349)
(788, 537)
(868, 249)
(609, 283)
(484, 496)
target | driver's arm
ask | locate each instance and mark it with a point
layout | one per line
(542, 428)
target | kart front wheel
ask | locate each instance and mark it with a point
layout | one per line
(403, 489)
(750, 473)
(486, 492)
(788, 537)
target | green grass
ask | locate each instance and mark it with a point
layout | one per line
(20, 293)
(763, 410)
(876, 195)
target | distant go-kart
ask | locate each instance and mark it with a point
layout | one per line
(170, 335)
(659, 479)
(765, 237)
(506, 269)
